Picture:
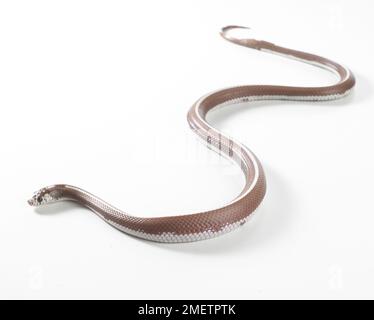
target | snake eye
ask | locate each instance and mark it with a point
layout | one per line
(39, 199)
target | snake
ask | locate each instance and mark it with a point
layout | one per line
(212, 223)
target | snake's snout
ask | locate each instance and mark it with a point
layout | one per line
(31, 202)
(37, 199)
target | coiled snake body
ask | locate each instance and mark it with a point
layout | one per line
(208, 224)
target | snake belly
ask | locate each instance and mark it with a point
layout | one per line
(212, 223)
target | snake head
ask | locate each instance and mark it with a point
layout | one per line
(42, 196)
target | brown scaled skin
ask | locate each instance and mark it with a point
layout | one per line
(208, 224)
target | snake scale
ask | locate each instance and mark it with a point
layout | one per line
(208, 224)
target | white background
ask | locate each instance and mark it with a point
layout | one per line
(95, 94)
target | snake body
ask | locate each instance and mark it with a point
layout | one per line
(208, 224)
